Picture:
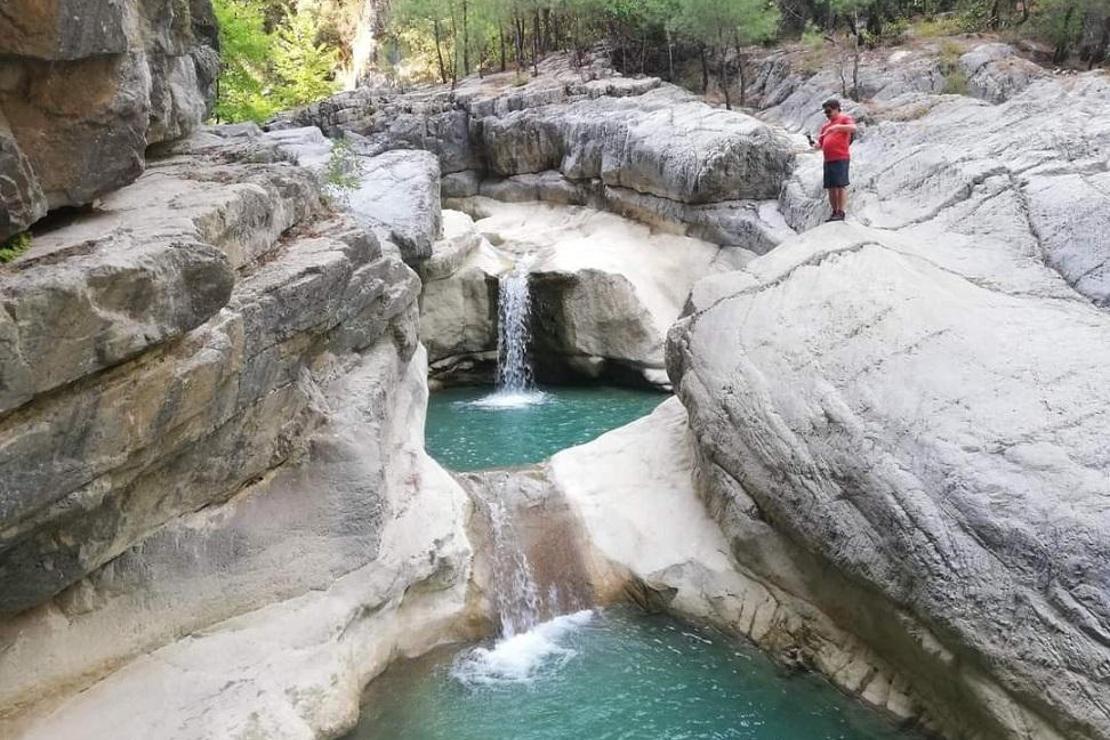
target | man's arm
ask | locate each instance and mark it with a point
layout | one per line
(847, 128)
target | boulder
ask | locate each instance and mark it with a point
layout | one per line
(996, 73)
(664, 142)
(87, 87)
(396, 193)
(932, 437)
(458, 303)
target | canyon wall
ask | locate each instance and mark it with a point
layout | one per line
(211, 442)
(86, 87)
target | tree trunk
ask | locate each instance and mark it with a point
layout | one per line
(518, 31)
(454, 48)
(670, 57)
(501, 35)
(439, 51)
(1062, 47)
(855, 71)
(740, 69)
(704, 70)
(536, 44)
(722, 74)
(466, 41)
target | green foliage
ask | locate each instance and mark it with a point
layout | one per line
(812, 37)
(1081, 26)
(955, 79)
(303, 66)
(931, 28)
(14, 246)
(955, 82)
(343, 171)
(245, 51)
(949, 57)
(262, 72)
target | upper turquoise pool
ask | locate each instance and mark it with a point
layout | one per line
(474, 428)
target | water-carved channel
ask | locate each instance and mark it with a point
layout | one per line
(557, 667)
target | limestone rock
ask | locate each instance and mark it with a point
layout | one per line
(87, 86)
(996, 73)
(583, 136)
(399, 191)
(338, 556)
(605, 289)
(394, 192)
(664, 142)
(199, 370)
(458, 304)
(951, 172)
(886, 408)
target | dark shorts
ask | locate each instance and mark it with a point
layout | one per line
(836, 174)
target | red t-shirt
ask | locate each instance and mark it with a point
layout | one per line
(835, 145)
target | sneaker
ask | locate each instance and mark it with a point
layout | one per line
(838, 216)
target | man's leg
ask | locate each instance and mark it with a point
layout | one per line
(841, 199)
(832, 198)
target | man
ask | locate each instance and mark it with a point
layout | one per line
(833, 140)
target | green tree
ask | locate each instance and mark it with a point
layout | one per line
(719, 25)
(305, 67)
(242, 88)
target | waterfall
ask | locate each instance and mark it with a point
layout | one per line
(514, 371)
(526, 646)
(516, 596)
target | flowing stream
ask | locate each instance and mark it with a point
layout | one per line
(590, 673)
(608, 674)
(515, 591)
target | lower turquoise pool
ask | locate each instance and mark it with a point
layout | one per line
(609, 674)
(473, 428)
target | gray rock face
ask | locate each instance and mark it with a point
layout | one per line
(996, 73)
(948, 169)
(585, 136)
(91, 312)
(212, 426)
(938, 439)
(664, 143)
(393, 192)
(87, 86)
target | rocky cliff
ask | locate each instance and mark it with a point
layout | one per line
(901, 421)
(212, 427)
(584, 136)
(86, 87)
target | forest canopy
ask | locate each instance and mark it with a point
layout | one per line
(279, 54)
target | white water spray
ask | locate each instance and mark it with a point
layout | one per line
(515, 381)
(515, 592)
(526, 647)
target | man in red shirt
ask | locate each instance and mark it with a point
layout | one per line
(833, 140)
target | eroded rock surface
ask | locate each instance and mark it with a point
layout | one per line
(937, 439)
(584, 136)
(605, 289)
(976, 179)
(229, 445)
(394, 193)
(87, 87)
